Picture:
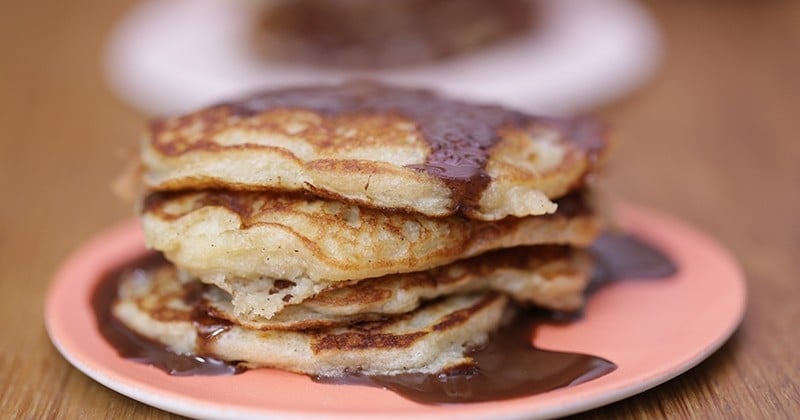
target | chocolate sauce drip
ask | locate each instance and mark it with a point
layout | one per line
(508, 366)
(460, 134)
(133, 346)
(621, 257)
(209, 328)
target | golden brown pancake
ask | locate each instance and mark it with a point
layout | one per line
(233, 238)
(546, 276)
(378, 146)
(357, 227)
(429, 339)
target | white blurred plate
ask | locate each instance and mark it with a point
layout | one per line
(171, 56)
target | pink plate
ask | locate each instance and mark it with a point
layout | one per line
(653, 330)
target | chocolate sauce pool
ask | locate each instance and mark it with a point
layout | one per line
(507, 366)
(131, 345)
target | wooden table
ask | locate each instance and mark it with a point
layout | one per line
(713, 140)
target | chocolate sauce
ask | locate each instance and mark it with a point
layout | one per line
(621, 257)
(508, 366)
(460, 134)
(133, 346)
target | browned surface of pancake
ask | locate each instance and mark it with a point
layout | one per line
(429, 339)
(377, 146)
(232, 239)
(550, 277)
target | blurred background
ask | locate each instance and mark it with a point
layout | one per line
(541, 55)
(704, 98)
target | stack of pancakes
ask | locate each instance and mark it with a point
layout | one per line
(358, 228)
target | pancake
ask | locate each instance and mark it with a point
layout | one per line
(379, 147)
(550, 277)
(232, 238)
(427, 340)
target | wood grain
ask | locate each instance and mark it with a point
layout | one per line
(713, 140)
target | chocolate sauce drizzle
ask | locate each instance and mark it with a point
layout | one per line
(507, 366)
(133, 346)
(460, 134)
